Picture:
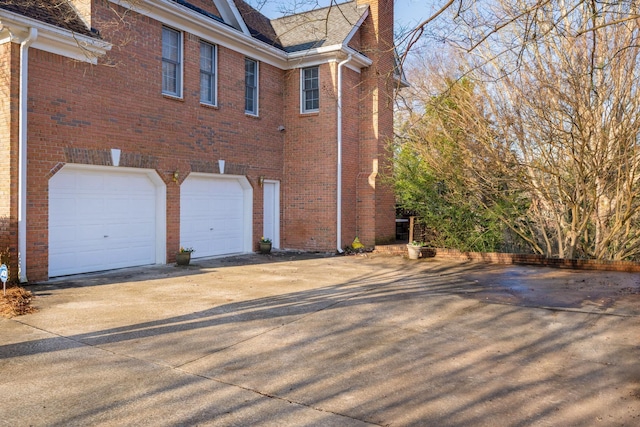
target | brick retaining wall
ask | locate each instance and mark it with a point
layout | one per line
(514, 259)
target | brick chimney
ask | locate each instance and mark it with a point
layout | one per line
(376, 201)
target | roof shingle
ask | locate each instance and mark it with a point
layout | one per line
(327, 26)
(54, 12)
(259, 25)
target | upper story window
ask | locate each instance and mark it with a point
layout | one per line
(171, 62)
(310, 90)
(251, 86)
(207, 73)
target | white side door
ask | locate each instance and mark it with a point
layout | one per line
(271, 209)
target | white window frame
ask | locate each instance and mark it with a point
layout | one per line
(178, 64)
(213, 74)
(256, 91)
(304, 91)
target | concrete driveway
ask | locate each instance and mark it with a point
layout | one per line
(300, 340)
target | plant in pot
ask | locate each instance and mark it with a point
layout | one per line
(183, 257)
(415, 249)
(265, 245)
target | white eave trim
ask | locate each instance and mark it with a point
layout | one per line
(15, 28)
(182, 18)
(308, 58)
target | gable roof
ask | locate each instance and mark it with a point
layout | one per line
(328, 26)
(259, 25)
(55, 12)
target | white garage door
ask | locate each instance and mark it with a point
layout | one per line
(213, 215)
(100, 220)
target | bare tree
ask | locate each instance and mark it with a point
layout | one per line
(555, 119)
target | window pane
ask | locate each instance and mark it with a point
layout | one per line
(310, 89)
(206, 93)
(170, 41)
(314, 97)
(248, 98)
(311, 84)
(206, 57)
(251, 86)
(207, 73)
(171, 61)
(169, 78)
(311, 78)
(250, 72)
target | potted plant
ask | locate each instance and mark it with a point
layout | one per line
(183, 257)
(415, 249)
(265, 245)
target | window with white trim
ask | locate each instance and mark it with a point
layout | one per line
(207, 73)
(251, 86)
(171, 62)
(309, 90)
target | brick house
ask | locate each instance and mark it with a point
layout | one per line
(131, 128)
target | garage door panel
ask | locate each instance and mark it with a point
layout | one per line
(63, 234)
(100, 220)
(65, 206)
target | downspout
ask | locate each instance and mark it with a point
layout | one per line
(22, 154)
(339, 177)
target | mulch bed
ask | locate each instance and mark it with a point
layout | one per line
(16, 302)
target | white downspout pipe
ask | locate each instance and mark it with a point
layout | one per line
(22, 154)
(339, 177)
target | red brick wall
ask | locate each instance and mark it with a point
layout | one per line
(78, 112)
(376, 201)
(75, 106)
(310, 166)
(515, 259)
(385, 198)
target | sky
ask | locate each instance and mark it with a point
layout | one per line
(408, 13)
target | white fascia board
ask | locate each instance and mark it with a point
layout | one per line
(335, 53)
(182, 18)
(185, 19)
(52, 39)
(357, 58)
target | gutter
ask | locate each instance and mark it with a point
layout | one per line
(339, 172)
(52, 39)
(22, 154)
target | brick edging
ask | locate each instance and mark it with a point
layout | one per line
(514, 259)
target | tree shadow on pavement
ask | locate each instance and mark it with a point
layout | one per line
(424, 344)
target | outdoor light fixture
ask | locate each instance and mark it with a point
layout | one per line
(261, 181)
(175, 175)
